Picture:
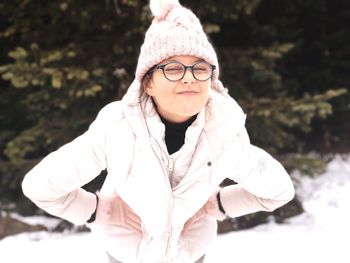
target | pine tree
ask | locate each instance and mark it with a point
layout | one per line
(285, 61)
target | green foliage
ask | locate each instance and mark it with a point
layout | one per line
(251, 220)
(285, 61)
(285, 114)
(60, 62)
(288, 65)
(306, 164)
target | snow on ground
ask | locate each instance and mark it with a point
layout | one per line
(319, 235)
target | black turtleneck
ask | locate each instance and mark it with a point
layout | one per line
(175, 133)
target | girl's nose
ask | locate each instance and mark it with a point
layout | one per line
(188, 77)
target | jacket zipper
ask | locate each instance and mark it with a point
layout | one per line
(169, 170)
(170, 175)
(167, 251)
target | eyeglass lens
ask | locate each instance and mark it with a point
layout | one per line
(175, 71)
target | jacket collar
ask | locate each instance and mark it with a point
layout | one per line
(221, 120)
(225, 119)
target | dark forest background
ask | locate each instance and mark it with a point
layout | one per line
(287, 62)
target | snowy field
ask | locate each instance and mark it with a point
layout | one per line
(319, 235)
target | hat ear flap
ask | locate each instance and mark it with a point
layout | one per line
(160, 8)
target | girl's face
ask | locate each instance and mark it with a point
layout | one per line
(177, 101)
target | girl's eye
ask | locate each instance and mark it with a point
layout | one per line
(173, 68)
(200, 69)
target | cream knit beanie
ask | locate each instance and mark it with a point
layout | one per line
(175, 30)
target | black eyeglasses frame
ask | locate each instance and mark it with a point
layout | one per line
(162, 66)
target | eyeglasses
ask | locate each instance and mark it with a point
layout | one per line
(175, 71)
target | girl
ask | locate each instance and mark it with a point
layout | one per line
(167, 146)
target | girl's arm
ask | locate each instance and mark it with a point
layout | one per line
(262, 184)
(55, 183)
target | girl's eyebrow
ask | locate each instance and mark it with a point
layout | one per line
(169, 61)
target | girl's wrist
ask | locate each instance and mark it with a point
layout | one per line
(93, 216)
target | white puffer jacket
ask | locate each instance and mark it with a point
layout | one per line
(127, 138)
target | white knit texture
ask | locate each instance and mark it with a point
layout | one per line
(179, 32)
(160, 8)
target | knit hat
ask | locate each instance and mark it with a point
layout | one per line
(175, 30)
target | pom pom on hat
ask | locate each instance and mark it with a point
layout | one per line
(160, 8)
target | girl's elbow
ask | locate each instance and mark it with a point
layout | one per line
(27, 188)
(286, 196)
